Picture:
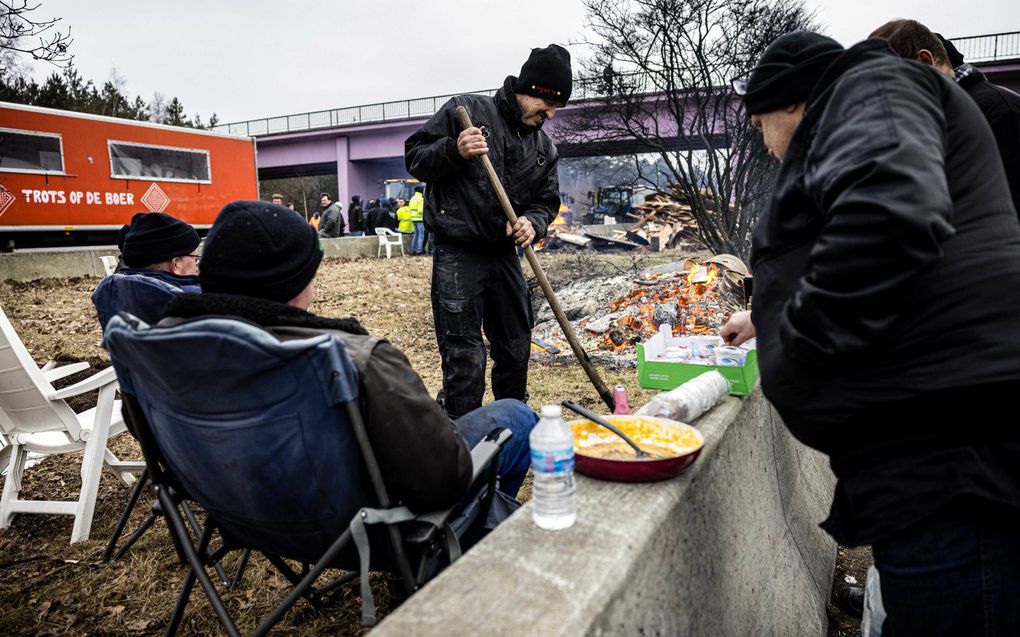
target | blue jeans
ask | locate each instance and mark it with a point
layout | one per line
(418, 240)
(357, 233)
(515, 458)
(954, 573)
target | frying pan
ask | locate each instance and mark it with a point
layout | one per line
(644, 430)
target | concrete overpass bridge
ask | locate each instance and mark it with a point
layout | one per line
(363, 145)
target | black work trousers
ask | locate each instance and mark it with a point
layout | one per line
(472, 291)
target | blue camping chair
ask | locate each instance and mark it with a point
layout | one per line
(147, 298)
(267, 436)
(143, 296)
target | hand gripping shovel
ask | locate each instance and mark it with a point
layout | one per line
(529, 253)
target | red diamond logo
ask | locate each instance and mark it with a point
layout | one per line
(155, 199)
(6, 199)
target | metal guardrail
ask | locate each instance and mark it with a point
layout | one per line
(584, 88)
(989, 48)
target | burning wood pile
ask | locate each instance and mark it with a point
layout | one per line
(610, 316)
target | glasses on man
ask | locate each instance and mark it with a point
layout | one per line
(196, 257)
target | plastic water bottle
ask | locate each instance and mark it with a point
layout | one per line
(552, 461)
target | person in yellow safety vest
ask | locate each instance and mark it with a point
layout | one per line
(417, 206)
(404, 223)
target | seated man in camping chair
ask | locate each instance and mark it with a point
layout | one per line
(258, 265)
(159, 262)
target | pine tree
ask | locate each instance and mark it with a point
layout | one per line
(175, 113)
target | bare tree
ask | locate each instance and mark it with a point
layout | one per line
(23, 33)
(663, 70)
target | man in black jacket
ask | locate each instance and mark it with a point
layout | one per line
(356, 216)
(477, 282)
(376, 216)
(259, 264)
(999, 105)
(886, 317)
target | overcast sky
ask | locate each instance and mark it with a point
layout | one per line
(255, 58)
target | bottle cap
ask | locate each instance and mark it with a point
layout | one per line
(551, 411)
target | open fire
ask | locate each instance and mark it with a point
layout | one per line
(613, 315)
(690, 302)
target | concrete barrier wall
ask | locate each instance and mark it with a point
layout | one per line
(28, 265)
(731, 547)
(32, 264)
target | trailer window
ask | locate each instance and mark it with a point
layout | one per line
(25, 151)
(160, 163)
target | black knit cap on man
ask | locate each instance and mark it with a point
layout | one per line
(156, 237)
(477, 282)
(788, 71)
(877, 342)
(261, 250)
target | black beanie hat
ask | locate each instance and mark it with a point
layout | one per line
(155, 237)
(126, 228)
(955, 57)
(788, 70)
(546, 74)
(259, 249)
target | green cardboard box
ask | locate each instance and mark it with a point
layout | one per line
(665, 375)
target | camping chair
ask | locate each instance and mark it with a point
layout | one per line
(35, 419)
(143, 296)
(388, 239)
(267, 436)
(147, 298)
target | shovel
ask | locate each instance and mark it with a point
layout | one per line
(529, 253)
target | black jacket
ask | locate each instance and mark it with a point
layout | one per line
(460, 204)
(888, 263)
(1001, 107)
(377, 217)
(356, 216)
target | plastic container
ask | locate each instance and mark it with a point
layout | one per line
(679, 352)
(689, 400)
(621, 404)
(552, 461)
(727, 356)
(704, 346)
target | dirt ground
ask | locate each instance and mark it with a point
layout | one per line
(48, 587)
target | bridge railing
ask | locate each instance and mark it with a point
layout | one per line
(584, 88)
(980, 48)
(346, 116)
(989, 48)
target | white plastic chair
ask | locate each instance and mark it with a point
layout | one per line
(109, 264)
(389, 239)
(35, 419)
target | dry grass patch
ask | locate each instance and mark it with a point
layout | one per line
(48, 587)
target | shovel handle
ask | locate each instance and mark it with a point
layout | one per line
(529, 253)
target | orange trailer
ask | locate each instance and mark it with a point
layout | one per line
(68, 177)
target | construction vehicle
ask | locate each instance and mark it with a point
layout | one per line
(393, 188)
(613, 202)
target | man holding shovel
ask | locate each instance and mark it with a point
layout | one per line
(477, 282)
